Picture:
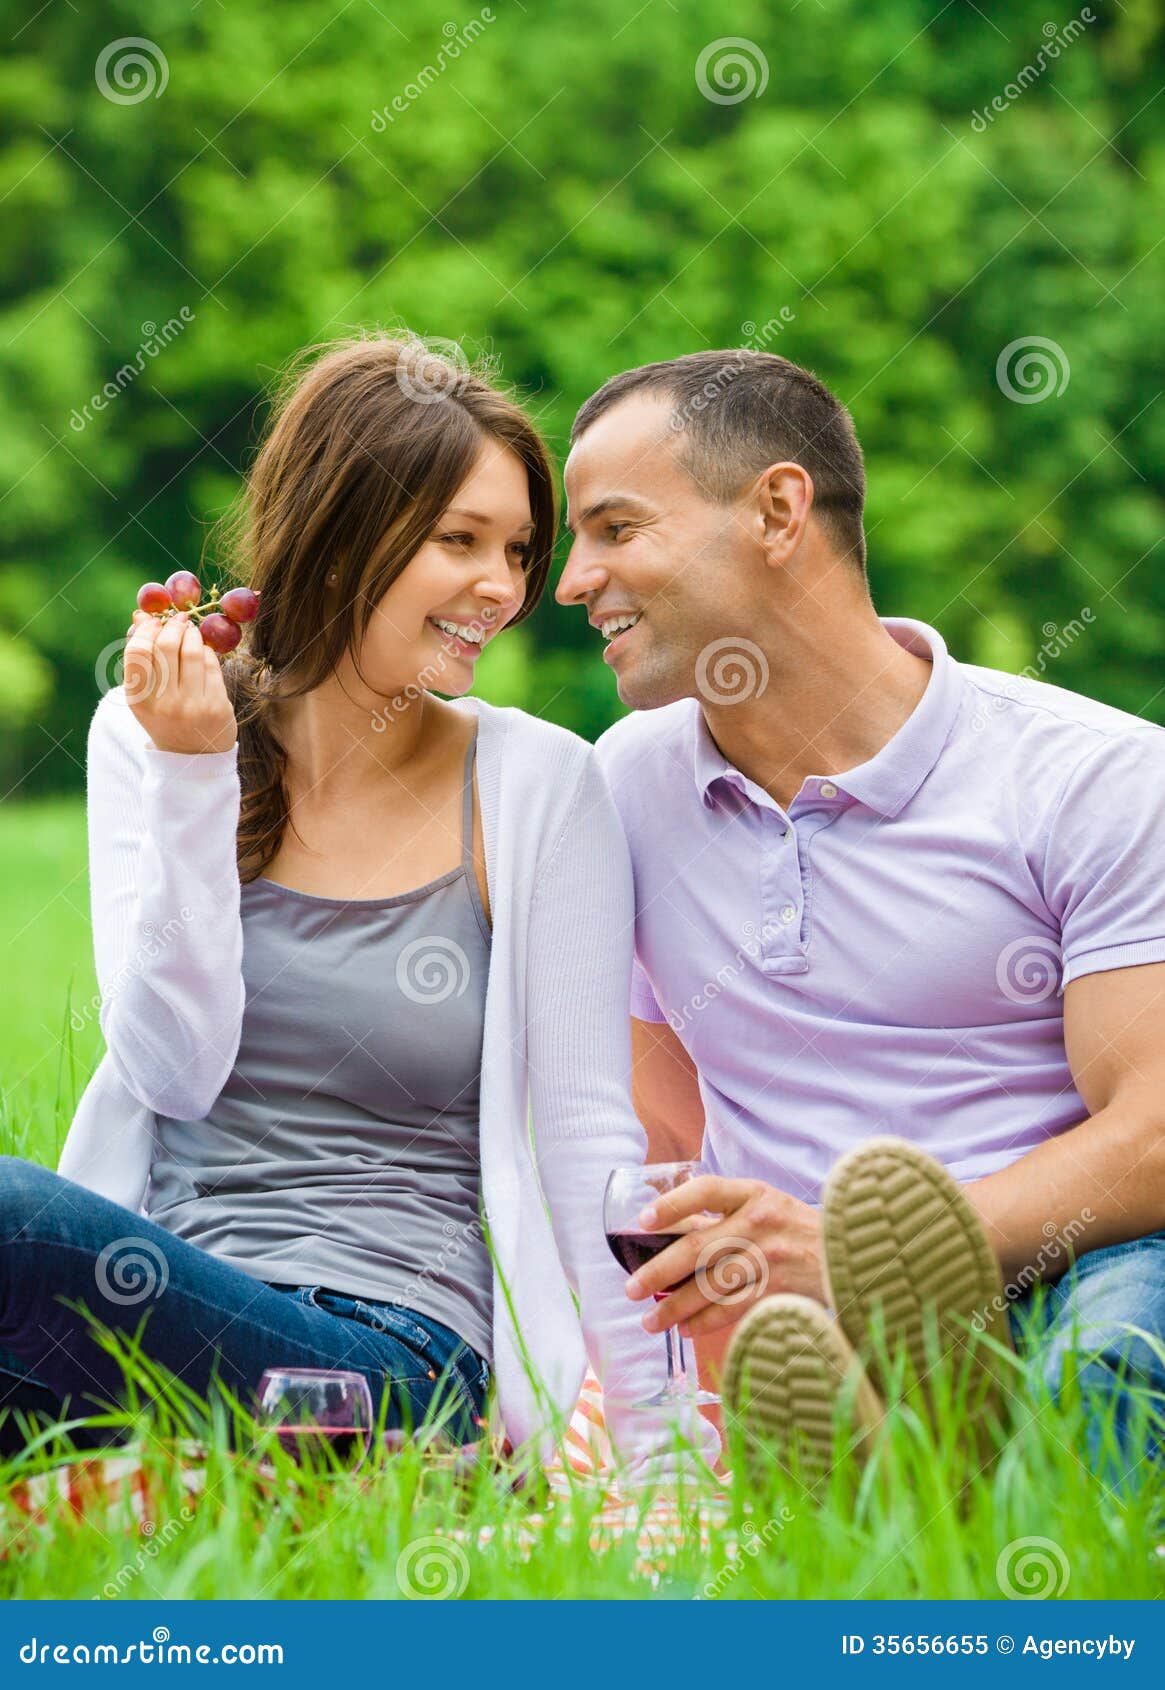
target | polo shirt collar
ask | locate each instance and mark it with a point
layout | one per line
(889, 779)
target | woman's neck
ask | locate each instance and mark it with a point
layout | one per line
(341, 739)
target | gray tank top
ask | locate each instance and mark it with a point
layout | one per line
(343, 1150)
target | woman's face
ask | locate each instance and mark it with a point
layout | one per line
(461, 588)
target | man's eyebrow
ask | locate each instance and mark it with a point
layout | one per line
(612, 501)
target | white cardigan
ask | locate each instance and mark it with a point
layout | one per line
(168, 946)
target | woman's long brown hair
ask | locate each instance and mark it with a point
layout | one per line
(369, 441)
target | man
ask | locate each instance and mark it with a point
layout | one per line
(879, 892)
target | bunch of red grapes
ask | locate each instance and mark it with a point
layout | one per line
(222, 619)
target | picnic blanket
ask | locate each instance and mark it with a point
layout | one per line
(97, 1488)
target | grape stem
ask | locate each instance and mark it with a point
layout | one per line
(192, 610)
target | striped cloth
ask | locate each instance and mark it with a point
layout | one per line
(92, 1487)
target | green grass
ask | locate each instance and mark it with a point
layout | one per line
(920, 1522)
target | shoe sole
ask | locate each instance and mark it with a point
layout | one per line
(788, 1371)
(905, 1250)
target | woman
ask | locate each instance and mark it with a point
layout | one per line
(354, 942)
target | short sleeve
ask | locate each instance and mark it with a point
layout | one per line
(1104, 869)
(643, 1003)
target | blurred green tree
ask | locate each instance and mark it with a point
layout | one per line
(898, 195)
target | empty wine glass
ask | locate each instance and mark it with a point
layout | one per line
(317, 1408)
(628, 1191)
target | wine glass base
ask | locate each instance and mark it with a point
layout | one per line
(676, 1396)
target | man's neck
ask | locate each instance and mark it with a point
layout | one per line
(836, 694)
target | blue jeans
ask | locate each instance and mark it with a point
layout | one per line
(202, 1320)
(1078, 1334)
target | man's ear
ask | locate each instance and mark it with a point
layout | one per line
(784, 495)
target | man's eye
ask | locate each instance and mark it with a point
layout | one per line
(614, 529)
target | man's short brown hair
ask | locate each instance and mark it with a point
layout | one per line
(741, 410)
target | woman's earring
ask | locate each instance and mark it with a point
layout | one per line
(332, 579)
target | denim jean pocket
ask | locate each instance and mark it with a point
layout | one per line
(467, 1374)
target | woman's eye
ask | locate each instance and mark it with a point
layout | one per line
(523, 550)
(456, 539)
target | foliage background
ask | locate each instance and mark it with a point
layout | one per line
(562, 199)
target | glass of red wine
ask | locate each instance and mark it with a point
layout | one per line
(630, 1190)
(314, 1409)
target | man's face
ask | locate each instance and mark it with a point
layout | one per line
(648, 545)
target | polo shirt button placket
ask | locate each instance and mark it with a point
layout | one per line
(781, 935)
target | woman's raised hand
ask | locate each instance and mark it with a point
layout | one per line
(174, 685)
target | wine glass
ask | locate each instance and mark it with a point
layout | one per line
(628, 1191)
(316, 1408)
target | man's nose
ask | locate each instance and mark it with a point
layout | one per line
(580, 576)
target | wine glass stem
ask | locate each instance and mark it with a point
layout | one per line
(675, 1356)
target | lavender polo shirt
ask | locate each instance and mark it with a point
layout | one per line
(889, 953)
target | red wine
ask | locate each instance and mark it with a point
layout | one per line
(632, 1249)
(347, 1441)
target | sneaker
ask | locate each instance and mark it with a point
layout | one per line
(909, 1267)
(792, 1380)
